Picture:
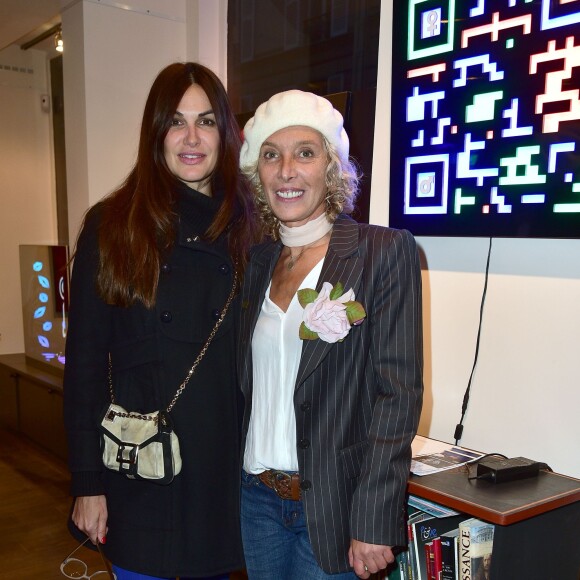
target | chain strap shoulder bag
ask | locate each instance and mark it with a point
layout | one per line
(146, 446)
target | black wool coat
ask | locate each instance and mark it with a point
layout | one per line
(191, 526)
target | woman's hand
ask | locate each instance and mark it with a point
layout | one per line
(366, 559)
(90, 516)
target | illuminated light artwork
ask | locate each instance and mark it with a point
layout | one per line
(434, 70)
(461, 200)
(483, 107)
(496, 27)
(514, 130)
(556, 14)
(486, 66)
(485, 118)
(465, 157)
(43, 271)
(432, 185)
(431, 19)
(41, 311)
(555, 84)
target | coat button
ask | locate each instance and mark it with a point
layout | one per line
(304, 444)
(215, 314)
(166, 316)
(306, 406)
(305, 485)
(166, 268)
(224, 269)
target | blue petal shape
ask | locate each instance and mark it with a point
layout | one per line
(43, 341)
(43, 297)
(39, 312)
(47, 326)
(37, 266)
(44, 281)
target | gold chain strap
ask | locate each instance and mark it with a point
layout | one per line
(194, 366)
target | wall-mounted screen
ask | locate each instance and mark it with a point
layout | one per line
(44, 285)
(485, 134)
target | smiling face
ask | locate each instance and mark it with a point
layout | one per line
(292, 168)
(191, 147)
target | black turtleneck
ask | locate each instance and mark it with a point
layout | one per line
(196, 210)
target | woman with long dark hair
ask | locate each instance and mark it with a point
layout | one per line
(154, 266)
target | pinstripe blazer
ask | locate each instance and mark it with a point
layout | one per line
(357, 402)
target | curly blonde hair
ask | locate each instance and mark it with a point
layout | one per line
(342, 185)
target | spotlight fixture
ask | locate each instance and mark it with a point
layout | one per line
(58, 43)
(55, 32)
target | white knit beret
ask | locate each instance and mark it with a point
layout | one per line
(289, 109)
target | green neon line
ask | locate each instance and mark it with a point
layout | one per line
(567, 208)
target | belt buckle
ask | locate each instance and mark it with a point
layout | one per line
(282, 484)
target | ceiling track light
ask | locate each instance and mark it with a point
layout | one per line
(54, 31)
(58, 43)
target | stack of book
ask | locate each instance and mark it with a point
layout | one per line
(444, 545)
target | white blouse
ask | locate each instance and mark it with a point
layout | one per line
(276, 351)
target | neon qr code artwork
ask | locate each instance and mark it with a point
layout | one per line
(485, 124)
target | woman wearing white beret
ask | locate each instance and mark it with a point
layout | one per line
(329, 357)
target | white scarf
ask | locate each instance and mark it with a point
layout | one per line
(305, 234)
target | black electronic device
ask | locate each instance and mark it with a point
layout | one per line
(499, 470)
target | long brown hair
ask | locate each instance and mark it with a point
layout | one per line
(138, 220)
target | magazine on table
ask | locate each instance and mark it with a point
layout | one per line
(432, 456)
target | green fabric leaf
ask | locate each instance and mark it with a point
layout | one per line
(306, 333)
(337, 291)
(307, 296)
(355, 312)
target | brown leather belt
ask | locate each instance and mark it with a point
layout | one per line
(286, 485)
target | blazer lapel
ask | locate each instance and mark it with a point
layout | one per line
(260, 274)
(342, 264)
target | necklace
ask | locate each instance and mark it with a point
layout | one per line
(293, 259)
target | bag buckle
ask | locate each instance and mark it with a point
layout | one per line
(164, 422)
(110, 416)
(127, 456)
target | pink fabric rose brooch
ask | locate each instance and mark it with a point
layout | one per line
(330, 314)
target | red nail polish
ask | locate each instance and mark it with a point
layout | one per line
(103, 540)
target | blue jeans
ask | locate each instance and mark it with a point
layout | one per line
(128, 575)
(275, 537)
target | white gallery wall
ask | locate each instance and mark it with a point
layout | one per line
(113, 53)
(27, 198)
(525, 394)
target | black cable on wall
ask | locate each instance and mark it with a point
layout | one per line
(459, 427)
